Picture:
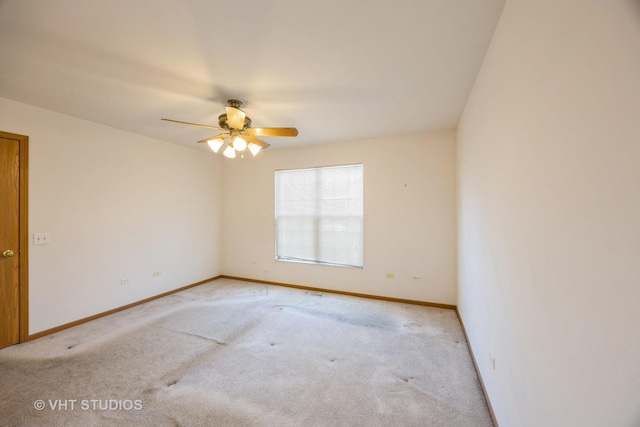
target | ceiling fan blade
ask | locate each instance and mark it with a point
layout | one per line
(219, 136)
(255, 140)
(235, 118)
(192, 124)
(272, 131)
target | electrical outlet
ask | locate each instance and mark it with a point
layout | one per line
(157, 273)
(125, 281)
(391, 275)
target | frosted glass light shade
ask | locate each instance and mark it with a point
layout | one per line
(254, 148)
(239, 144)
(215, 144)
(229, 152)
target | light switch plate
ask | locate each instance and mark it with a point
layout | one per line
(41, 238)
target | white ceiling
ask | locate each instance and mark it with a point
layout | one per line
(338, 70)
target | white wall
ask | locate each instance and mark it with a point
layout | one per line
(549, 205)
(117, 205)
(409, 217)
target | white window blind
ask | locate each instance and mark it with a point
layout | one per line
(319, 215)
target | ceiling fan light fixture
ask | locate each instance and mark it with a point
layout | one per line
(239, 134)
(229, 152)
(215, 144)
(254, 148)
(239, 143)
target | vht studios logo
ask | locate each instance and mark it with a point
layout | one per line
(88, 405)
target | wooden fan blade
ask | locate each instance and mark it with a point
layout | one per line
(219, 136)
(257, 141)
(272, 131)
(192, 124)
(235, 118)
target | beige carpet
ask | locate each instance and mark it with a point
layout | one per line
(231, 353)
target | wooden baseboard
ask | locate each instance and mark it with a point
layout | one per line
(115, 310)
(245, 279)
(475, 365)
(353, 294)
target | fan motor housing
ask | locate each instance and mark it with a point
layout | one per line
(222, 122)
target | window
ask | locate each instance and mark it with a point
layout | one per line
(319, 215)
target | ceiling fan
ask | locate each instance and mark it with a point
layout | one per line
(239, 134)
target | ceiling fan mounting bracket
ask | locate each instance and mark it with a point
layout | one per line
(234, 103)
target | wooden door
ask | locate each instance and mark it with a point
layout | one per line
(13, 239)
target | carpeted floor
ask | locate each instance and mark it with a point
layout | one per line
(232, 353)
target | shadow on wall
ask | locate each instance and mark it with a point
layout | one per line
(636, 3)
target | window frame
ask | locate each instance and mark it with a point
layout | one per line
(317, 219)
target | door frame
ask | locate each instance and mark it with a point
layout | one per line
(23, 233)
